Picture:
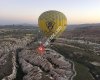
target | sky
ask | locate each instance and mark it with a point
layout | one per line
(28, 11)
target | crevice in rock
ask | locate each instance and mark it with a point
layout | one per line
(20, 74)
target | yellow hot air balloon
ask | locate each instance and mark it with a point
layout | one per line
(50, 21)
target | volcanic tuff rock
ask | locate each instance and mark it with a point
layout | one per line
(22, 62)
(50, 66)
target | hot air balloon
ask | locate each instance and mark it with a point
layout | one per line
(52, 23)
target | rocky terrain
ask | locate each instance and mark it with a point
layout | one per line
(8, 47)
(86, 32)
(50, 66)
(75, 55)
(20, 61)
(81, 44)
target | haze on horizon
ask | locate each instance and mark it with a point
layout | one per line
(28, 11)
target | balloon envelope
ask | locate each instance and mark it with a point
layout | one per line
(49, 22)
